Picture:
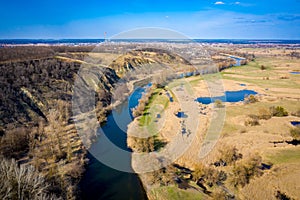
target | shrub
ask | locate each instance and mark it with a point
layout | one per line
(296, 113)
(143, 144)
(264, 114)
(284, 77)
(244, 171)
(163, 176)
(199, 171)
(213, 176)
(221, 194)
(253, 120)
(14, 142)
(262, 67)
(138, 110)
(208, 175)
(295, 133)
(229, 154)
(219, 104)
(250, 99)
(278, 111)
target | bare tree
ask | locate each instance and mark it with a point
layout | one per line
(22, 182)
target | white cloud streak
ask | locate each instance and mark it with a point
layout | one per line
(219, 3)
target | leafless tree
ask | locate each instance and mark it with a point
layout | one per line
(22, 182)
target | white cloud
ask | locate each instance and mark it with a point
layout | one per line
(219, 3)
(238, 3)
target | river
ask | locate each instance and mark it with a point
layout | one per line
(103, 182)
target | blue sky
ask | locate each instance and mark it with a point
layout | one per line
(244, 19)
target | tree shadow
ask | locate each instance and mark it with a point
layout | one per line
(146, 113)
(158, 144)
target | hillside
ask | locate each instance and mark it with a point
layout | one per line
(36, 123)
(35, 113)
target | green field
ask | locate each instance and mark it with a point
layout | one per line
(175, 193)
(285, 156)
(158, 102)
(251, 73)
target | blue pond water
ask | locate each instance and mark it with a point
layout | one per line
(295, 123)
(242, 84)
(170, 97)
(230, 96)
(181, 115)
(294, 72)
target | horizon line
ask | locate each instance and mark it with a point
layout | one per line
(149, 39)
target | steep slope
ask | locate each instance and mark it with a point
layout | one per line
(29, 88)
(35, 117)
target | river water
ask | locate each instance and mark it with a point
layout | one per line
(103, 182)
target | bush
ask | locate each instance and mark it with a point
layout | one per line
(264, 114)
(250, 99)
(295, 133)
(14, 142)
(229, 155)
(284, 77)
(199, 171)
(262, 67)
(221, 194)
(208, 175)
(278, 111)
(143, 144)
(296, 113)
(253, 120)
(163, 177)
(213, 176)
(219, 104)
(244, 171)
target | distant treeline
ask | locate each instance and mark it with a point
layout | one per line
(21, 53)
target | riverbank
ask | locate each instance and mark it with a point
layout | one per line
(272, 91)
(105, 175)
(168, 130)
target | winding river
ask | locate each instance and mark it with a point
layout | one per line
(103, 182)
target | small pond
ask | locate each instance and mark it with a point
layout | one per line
(294, 72)
(230, 96)
(170, 97)
(181, 114)
(295, 123)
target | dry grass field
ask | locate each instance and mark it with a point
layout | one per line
(275, 86)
